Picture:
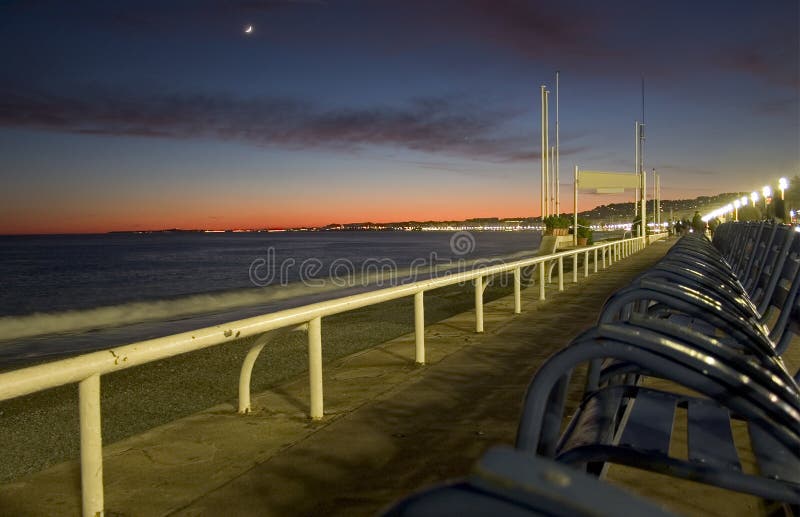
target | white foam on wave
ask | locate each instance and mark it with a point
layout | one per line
(37, 324)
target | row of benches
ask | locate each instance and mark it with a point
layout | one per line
(711, 320)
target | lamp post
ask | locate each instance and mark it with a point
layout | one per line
(736, 205)
(783, 184)
(767, 192)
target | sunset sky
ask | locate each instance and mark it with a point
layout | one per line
(147, 115)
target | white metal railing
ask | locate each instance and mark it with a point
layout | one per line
(86, 369)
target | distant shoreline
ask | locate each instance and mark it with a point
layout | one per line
(603, 215)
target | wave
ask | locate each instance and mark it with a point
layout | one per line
(77, 321)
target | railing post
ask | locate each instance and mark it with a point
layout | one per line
(595, 260)
(575, 268)
(315, 367)
(479, 304)
(586, 264)
(605, 250)
(91, 446)
(517, 291)
(541, 280)
(247, 372)
(419, 328)
(560, 273)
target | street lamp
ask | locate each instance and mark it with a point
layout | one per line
(783, 184)
(736, 205)
(744, 200)
(767, 191)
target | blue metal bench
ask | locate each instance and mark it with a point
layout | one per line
(632, 425)
(690, 298)
(511, 483)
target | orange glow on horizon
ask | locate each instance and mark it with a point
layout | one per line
(259, 217)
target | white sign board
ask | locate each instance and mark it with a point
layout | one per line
(607, 182)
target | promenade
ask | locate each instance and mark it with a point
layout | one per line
(390, 427)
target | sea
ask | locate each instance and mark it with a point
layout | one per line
(62, 295)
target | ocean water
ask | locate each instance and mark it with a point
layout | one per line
(62, 295)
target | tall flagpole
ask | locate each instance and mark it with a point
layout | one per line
(548, 208)
(544, 156)
(655, 194)
(556, 182)
(636, 168)
(558, 176)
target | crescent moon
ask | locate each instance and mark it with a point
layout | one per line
(248, 29)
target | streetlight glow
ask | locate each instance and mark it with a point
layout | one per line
(783, 184)
(737, 204)
(744, 200)
(754, 197)
(767, 191)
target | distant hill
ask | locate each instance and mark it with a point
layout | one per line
(680, 208)
(604, 214)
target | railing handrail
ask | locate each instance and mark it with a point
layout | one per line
(86, 369)
(25, 381)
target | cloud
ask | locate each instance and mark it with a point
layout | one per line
(770, 66)
(536, 29)
(434, 125)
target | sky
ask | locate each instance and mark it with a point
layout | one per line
(134, 115)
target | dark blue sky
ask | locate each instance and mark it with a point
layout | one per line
(124, 115)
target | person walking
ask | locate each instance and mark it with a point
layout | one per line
(698, 224)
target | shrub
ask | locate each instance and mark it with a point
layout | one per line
(556, 221)
(584, 231)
